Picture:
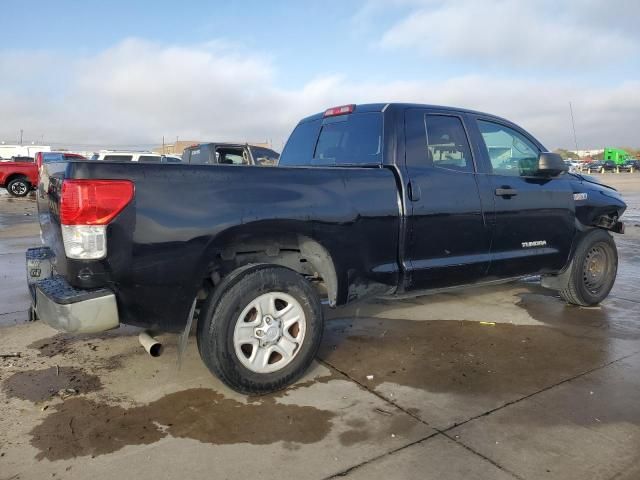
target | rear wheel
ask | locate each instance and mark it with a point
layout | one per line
(19, 187)
(593, 270)
(262, 332)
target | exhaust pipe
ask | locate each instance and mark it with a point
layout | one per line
(150, 344)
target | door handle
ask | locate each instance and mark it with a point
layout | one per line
(414, 192)
(506, 192)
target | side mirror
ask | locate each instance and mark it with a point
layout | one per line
(551, 165)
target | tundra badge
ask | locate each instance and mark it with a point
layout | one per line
(537, 243)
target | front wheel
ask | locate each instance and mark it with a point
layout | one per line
(18, 187)
(592, 271)
(262, 331)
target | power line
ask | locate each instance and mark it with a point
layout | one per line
(573, 124)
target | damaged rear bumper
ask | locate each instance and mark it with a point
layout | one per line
(64, 307)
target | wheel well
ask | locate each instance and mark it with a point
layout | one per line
(15, 176)
(297, 252)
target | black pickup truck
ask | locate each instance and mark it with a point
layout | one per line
(367, 200)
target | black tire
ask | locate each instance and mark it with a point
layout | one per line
(222, 310)
(19, 187)
(592, 271)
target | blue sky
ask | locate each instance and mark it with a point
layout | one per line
(128, 72)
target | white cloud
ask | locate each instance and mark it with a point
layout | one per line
(537, 34)
(138, 91)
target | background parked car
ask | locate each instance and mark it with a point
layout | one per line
(630, 166)
(19, 178)
(602, 166)
(127, 156)
(230, 154)
(45, 157)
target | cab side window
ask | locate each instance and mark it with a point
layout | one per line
(447, 144)
(510, 152)
(232, 156)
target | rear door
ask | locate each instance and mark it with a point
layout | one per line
(448, 239)
(534, 222)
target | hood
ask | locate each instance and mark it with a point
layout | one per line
(588, 178)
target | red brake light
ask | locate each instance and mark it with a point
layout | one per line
(39, 160)
(342, 110)
(93, 202)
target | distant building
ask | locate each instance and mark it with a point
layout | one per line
(176, 148)
(8, 151)
(587, 153)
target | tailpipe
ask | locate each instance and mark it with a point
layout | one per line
(150, 344)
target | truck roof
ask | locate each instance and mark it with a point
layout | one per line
(227, 144)
(380, 107)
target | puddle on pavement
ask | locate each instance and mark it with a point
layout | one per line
(360, 430)
(41, 385)
(80, 426)
(460, 357)
(614, 318)
(59, 344)
(63, 343)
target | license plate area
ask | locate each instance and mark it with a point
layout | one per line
(39, 263)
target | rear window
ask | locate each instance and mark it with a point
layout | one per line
(343, 140)
(52, 157)
(118, 158)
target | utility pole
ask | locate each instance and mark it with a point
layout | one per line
(21, 137)
(163, 144)
(573, 125)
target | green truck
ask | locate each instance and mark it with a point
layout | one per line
(616, 155)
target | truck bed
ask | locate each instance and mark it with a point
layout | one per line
(185, 219)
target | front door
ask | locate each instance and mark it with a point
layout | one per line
(447, 236)
(534, 217)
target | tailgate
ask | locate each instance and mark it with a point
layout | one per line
(48, 200)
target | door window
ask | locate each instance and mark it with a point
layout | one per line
(510, 152)
(232, 156)
(264, 156)
(447, 144)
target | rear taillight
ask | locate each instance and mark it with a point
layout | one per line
(342, 110)
(86, 208)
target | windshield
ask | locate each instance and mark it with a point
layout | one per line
(264, 156)
(354, 139)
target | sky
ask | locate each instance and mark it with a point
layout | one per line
(123, 74)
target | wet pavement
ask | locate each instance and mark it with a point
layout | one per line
(490, 383)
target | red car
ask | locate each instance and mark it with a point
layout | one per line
(19, 178)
